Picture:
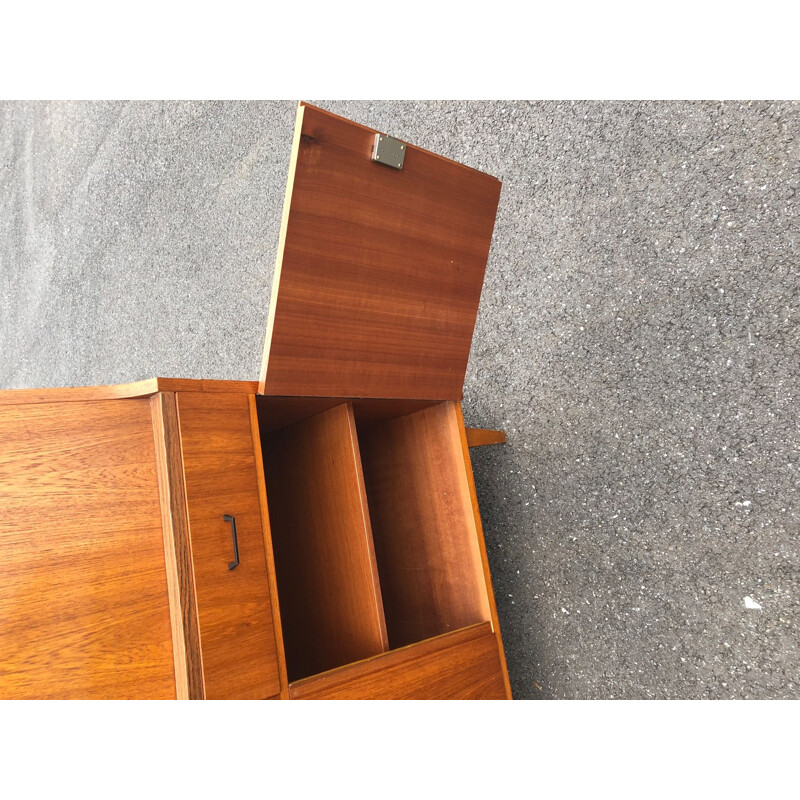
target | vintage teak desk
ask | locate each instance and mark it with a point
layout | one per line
(312, 535)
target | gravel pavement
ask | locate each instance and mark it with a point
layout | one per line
(637, 339)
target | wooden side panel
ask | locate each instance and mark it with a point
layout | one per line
(84, 611)
(237, 636)
(177, 548)
(463, 665)
(476, 515)
(426, 542)
(379, 270)
(327, 581)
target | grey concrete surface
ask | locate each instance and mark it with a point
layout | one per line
(637, 339)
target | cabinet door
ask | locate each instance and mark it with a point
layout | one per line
(84, 611)
(236, 630)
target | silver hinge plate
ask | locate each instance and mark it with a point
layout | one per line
(388, 150)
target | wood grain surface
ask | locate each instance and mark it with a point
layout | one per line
(84, 610)
(426, 543)
(177, 548)
(119, 391)
(379, 270)
(476, 515)
(327, 580)
(477, 437)
(462, 665)
(237, 636)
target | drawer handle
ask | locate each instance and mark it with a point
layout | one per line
(235, 563)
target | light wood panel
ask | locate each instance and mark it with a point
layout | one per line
(424, 531)
(119, 391)
(84, 610)
(327, 581)
(477, 437)
(463, 665)
(177, 548)
(237, 636)
(379, 270)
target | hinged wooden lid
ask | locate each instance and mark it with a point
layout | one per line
(379, 269)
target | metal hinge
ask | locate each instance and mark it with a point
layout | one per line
(388, 150)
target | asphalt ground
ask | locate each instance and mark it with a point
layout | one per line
(637, 339)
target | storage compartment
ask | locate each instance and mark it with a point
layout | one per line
(375, 294)
(372, 525)
(423, 524)
(328, 587)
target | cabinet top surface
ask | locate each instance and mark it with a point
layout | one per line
(379, 270)
(120, 391)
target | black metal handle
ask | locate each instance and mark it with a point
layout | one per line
(235, 563)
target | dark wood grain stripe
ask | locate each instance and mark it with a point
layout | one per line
(177, 548)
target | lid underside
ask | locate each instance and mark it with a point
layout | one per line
(379, 270)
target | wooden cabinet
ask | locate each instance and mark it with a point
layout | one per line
(312, 535)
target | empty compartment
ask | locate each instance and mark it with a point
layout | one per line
(423, 524)
(329, 595)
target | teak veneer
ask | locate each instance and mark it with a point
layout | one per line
(312, 535)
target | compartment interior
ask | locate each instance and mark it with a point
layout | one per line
(372, 526)
(423, 524)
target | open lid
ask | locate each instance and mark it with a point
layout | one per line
(379, 269)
